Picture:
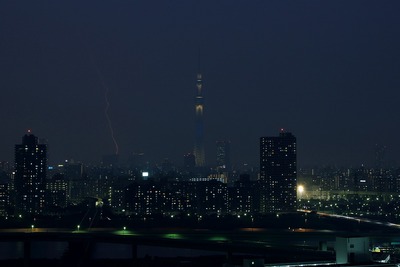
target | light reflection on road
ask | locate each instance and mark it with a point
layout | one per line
(358, 219)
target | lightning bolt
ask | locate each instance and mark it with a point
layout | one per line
(106, 91)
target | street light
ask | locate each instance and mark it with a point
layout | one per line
(32, 226)
(300, 190)
(78, 226)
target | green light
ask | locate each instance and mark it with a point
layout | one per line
(218, 238)
(124, 231)
(173, 236)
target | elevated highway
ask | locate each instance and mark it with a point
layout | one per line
(252, 241)
(299, 243)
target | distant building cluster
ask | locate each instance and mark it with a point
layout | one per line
(32, 187)
(324, 181)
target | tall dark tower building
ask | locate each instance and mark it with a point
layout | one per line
(380, 151)
(278, 173)
(223, 155)
(199, 135)
(189, 162)
(30, 175)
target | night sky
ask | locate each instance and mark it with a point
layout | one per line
(327, 71)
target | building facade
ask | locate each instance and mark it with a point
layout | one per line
(30, 175)
(223, 155)
(278, 173)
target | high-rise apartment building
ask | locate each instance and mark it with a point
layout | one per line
(73, 173)
(30, 175)
(189, 162)
(278, 173)
(57, 189)
(223, 155)
(4, 199)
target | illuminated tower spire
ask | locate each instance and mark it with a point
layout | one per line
(199, 134)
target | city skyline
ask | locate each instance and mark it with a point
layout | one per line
(281, 148)
(214, 160)
(327, 72)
